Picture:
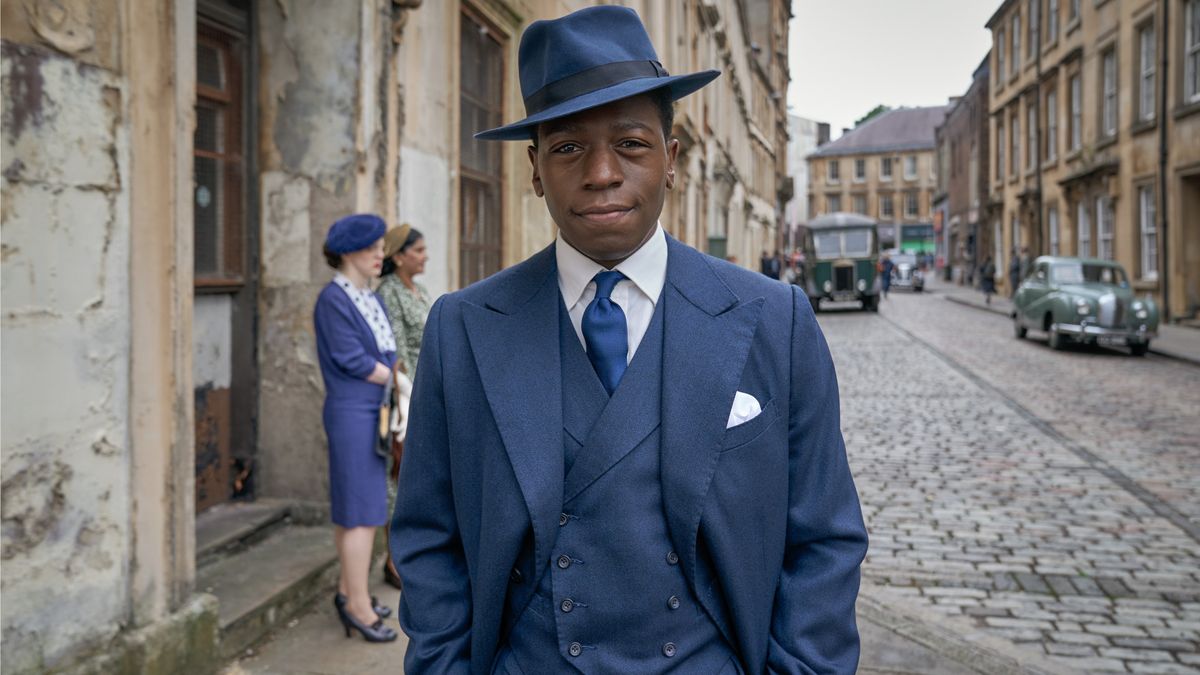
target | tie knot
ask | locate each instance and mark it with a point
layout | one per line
(606, 282)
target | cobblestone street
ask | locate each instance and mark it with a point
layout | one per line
(1047, 497)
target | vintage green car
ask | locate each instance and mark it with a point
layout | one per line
(1084, 300)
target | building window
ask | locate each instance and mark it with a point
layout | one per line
(1014, 64)
(1191, 51)
(1104, 228)
(1051, 20)
(1001, 143)
(910, 167)
(1051, 125)
(1076, 112)
(481, 162)
(1016, 234)
(886, 208)
(1035, 12)
(1149, 232)
(832, 170)
(1108, 101)
(1052, 221)
(1083, 229)
(1073, 11)
(910, 205)
(885, 168)
(1030, 136)
(998, 249)
(860, 170)
(1145, 82)
(219, 153)
(1000, 43)
(1014, 141)
(860, 204)
(833, 203)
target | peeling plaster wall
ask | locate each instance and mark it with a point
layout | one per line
(65, 353)
(310, 99)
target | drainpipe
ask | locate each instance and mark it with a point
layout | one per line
(1165, 264)
(1037, 135)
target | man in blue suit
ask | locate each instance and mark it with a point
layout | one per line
(624, 455)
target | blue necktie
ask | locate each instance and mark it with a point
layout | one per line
(604, 332)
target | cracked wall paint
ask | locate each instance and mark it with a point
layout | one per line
(65, 296)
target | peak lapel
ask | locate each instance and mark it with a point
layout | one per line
(515, 343)
(708, 331)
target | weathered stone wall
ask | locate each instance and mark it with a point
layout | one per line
(66, 461)
(315, 150)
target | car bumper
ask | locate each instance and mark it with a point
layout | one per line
(1090, 330)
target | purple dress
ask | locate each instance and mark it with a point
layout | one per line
(347, 352)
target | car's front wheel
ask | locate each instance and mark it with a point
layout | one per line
(1139, 348)
(1058, 341)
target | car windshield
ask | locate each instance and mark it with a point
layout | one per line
(1080, 273)
(904, 259)
(828, 244)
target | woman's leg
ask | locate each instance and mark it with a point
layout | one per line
(354, 553)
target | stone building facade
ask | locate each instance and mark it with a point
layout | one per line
(885, 169)
(169, 172)
(804, 136)
(962, 176)
(1095, 137)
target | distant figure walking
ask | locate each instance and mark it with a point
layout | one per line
(885, 273)
(1014, 272)
(987, 279)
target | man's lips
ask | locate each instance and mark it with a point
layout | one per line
(606, 213)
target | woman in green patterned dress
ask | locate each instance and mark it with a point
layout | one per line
(407, 304)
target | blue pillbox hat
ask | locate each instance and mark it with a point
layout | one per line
(354, 233)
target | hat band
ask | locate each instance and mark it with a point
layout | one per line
(590, 80)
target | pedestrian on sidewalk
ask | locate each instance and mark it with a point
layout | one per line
(1014, 272)
(624, 455)
(407, 304)
(885, 274)
(987, 279)
(356, 349)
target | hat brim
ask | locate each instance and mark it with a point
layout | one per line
(679, 86)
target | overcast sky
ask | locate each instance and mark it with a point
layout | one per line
(847, 56)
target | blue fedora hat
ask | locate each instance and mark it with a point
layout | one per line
(584, 60)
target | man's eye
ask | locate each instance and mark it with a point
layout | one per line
(631, 143)
(566, 148)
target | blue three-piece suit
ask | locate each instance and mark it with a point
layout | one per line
(543, 526)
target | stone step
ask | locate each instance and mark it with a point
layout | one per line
(228, 528)
(262, 586)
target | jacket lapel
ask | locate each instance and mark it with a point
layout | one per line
(708, 331)
(514, 338)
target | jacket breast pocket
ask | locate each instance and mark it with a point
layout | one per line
(741, 434)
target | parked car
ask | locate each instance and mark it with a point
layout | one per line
(1086, 301)
(906, 273)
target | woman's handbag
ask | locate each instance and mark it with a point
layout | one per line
(398, 421)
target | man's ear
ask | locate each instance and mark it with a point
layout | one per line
(672, 153)
(537, 178)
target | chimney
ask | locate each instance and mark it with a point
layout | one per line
(822, 133)
(845, 131)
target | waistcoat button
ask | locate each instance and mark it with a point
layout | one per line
(515, 576)
(673, 602)
(567, 605)
(562, 519)
(564, 561)
(669, 649)
(574, 649)
(672, 558)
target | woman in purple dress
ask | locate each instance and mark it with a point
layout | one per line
(356, 349)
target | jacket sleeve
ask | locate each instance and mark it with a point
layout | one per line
(336, 328)
(813, 628)
(425, 542)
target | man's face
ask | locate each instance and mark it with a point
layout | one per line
(605, 173)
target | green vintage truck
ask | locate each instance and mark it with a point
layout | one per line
(841, 252)
(1083, 300)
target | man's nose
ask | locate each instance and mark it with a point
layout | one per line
(602, 169)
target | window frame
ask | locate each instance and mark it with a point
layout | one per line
(1083, 229)
(1034, 39)
(1191, 52)
(1105, 230)
(910, 159)
(1052, 123)
(1031, 149)
(859, 200)
(1055, 235)
(1108, 117)
(888, 201)
(833, 203)
(1147, 217)
(833, 171)
(860, 162)
(1014, 64)
(885, 168)
(1052, 11)
(1075, 87)
(1014, 143)
(1147, 72)
(911, 198)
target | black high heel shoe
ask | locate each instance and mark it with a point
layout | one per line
(376, 632)
(381, 609)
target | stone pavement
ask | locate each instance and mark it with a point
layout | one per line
(1179, 342)
(1044, 497)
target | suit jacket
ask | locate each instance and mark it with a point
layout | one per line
(764, 515)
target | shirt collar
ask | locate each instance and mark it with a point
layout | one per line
(344, 281)
(646, 268)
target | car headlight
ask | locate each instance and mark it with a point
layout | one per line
(1137, 304)
(1083, 307)
(1141, 313)
(828, 286)
(862, 285)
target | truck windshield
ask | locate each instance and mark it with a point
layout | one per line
(828, 245)
(843, 244)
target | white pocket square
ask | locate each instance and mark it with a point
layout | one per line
(745, 408)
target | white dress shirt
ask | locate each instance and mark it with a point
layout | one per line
(645, 274)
